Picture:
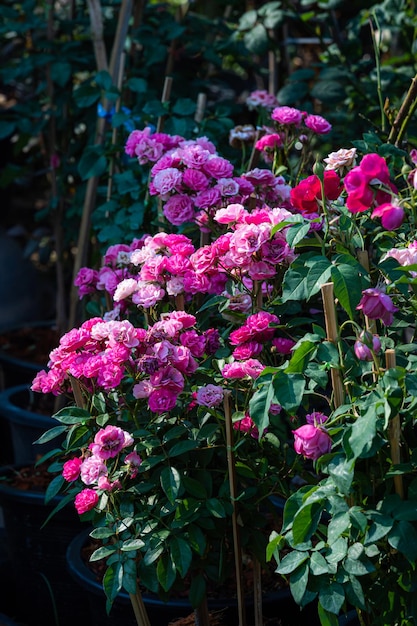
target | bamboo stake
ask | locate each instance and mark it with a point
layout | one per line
(404, 114)
(395, 432)
(92, 183)
(139, 609)
(257, 592)
(201, 107)
(235, 525)
(327, 291)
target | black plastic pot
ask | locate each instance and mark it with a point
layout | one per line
(37, 556)
(34, 340)
(19, 411)
(278, 604)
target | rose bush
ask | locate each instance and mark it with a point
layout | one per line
(256, 323)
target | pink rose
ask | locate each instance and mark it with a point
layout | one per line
(167, 180)
(179, 209)
(86, 500)
(162, 400)
(109, 441)
(312, 442)
(317, 124)
(283, 345)
(71, 469)
(392, 215)
(91, 469)
(376, 304)
(246, 425)
(210, 395)
(287, 115)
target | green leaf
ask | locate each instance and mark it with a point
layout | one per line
(260, 404)
(331, 597)
(326, 618)
(138, 85)
(300, 357)
(337, 525)
(196, 538)
(181, 555)
(92, 162)
(132, 544)
(291, 561)
(289, 390)
(184, 106)
(329, 91)
(6, 129)
(60, 72)
(381, 525)
(318, 564)
(72, 415)
(298, 582)
(51, 434)
(296, 234)
(358, 567)
(102, 553)
(318, 275)
(86, 95)
(182, 447)
(342, 472)
(215, 507)
(354, 592)
(130, 574)
(306, 521)
(170, 483)
(165, 571)
(197, 590)
(347, 287)
(337, 551)
(54, 487)
(112, 581)
(363, 432)
(403, 537)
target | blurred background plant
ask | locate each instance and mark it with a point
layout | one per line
(77, 77)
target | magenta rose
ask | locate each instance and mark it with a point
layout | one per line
(376, 304)
(86, 500)
(392, 215)
(287, 115)
(71, 469)
(311, 441)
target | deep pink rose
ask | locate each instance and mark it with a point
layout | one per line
(287, 115)
(86, 500)
(162, 400)
(312, 442)
(376, 304)
(392, 215)
(317, 124)
(283, 345)
(71, 469)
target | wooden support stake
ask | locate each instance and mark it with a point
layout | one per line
(395, 432)
(257, 593)
(235, 526)
(327, 291)
(166, 95)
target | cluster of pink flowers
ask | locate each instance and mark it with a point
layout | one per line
(249, 341)
(103, 355)
(93, 469)
(249, 249)
(149, 147)
(368, 184)
(115, 269)
(290, 125)
(260, 98)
